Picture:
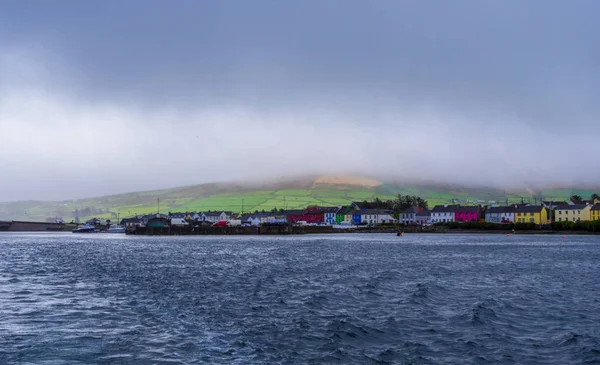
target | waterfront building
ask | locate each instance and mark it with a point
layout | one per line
(572, 213)
(409, 215)
(215, 217)
(443, 213)
(329, 214)
(537, 214)
(376, 216)
(500, 214)
(423, 217)
(595, 212)
(342, 213)
(467, 214)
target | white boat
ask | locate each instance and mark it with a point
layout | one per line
(115, 229)
(84, 228)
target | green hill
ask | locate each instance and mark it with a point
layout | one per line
(246, 197)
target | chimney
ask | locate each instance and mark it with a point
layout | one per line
(445, 205)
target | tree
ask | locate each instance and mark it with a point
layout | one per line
(595, 196)
(576, 199)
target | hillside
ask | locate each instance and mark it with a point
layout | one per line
(290, 194)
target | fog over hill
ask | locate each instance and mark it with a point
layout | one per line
(282, 193)
(99, 98)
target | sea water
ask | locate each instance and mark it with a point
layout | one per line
(346, 299)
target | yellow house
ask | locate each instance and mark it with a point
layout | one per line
(531, 214)
(348, 217)
(572, 213)
(595, 212)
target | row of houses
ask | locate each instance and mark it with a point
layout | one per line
(352, 215)
(515, 213)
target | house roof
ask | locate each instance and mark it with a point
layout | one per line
(467, 209)
(374, 211)
(329, 209)
(497, 210)
(555, 203)
(596, 206)
(411, 210)
(247, 217)
(344, 210)
(295, 212)
(572, 207)
(444, 209)
(424, 213)
(529, 209)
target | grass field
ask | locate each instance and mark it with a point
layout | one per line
(237, 198)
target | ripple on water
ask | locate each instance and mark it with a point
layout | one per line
(342, 299)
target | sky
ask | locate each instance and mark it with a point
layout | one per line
(103, 97)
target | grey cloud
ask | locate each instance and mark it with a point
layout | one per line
(472, 92)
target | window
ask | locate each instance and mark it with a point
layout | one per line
(560, 212)
(531, 214)
(560, 219)
(531, 220)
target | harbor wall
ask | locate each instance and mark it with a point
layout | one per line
(21, 226)
(264, 230)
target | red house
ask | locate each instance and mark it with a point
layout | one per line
(466, 214)
(314, 215)
(309, 215)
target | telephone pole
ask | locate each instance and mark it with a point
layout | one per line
(158, 205)
(242, 206)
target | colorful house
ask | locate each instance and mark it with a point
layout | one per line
(309, 215)
(294, 216)
(537, 214)
(595, 212)
(348, 216)
(356, 217)
(467, 214)
(341, 214)
(329, 214)
(572, 213)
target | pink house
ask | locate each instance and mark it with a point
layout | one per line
(466, 214)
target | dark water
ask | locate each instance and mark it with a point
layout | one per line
(372, 299)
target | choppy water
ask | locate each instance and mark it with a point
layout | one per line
(372, 299)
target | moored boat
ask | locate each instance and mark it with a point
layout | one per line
(84, 228)
(115, 229)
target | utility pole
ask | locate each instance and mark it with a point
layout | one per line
(242, 206)
(158, 205)
(284, 204)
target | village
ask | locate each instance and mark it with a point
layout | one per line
(361, 215)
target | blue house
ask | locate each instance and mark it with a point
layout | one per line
(356, 217)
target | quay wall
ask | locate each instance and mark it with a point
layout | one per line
(265, 230)
(21, 226)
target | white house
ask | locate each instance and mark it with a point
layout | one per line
(500, 214)
(215, 217)
(377, 216)
(251, 219)
(330, 213)
(443, 213)
(409, 216)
